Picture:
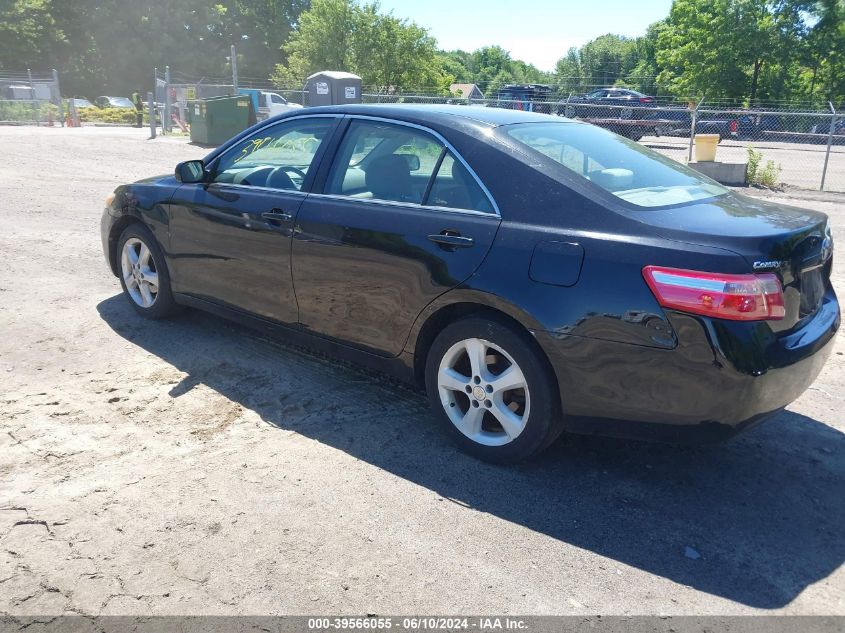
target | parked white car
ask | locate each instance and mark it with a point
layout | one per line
(268, 104)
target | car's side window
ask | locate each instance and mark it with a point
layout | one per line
(384, 161)
(278, 156)
(454, 187)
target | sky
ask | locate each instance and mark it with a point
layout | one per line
(536, 31)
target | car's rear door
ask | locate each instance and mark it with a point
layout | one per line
(400, 219)
(230, 237)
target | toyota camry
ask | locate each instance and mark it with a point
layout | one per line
(534, 274)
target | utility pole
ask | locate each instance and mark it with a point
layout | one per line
(35, 116)
(165, 124)
(235, 68)
(152, 103)
(59, 97)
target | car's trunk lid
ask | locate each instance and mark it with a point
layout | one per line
(793, 243)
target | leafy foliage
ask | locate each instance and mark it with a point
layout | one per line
(344, 35)
(766, 176)
(112, 47)
(491, 67)
(739, 50)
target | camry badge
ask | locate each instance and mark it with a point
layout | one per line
(774, 264)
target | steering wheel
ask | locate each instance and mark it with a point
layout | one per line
(279, 179)
(295, 170)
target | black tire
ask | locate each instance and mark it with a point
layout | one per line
(544, 422)
(163, 305)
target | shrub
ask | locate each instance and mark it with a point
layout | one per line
(121, 116)
(767, 176)
(26, 111)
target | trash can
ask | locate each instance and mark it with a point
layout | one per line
(214, 121)
(705, 147)
(331, 87)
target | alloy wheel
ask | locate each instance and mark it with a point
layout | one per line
(484, 392)
(139, 272)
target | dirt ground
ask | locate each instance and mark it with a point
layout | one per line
(195, 467)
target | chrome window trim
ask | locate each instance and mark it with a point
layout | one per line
(257, 188)
(377, 201)
(449, 146)
(408, 205)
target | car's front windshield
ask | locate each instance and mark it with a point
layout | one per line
(620, 166)
(120, 102)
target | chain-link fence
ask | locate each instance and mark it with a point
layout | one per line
(30, 98)
(794, 144)
(801, 145)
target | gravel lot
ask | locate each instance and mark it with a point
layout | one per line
(195, 467)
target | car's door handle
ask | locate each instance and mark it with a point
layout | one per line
(451, 241)
(277, 215)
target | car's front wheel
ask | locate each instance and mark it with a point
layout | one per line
(143, 273)
(489, 385)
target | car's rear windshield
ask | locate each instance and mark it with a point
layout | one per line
(623, 167)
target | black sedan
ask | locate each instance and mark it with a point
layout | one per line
(611, 103)
(535, 275)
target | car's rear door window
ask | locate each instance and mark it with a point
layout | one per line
(384, 161)
(454, 187)
(277, 157)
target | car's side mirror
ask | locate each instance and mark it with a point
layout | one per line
(190, 171)
(413, 161)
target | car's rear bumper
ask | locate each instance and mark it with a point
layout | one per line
(721, 378)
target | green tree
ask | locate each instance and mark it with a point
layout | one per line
(28, 33)
(643, 76)
(386, 51)
(723, 47)
(568, 75)
(258, 28)
(823, 73)
(112, 47)
(607, 59)
(491, 67)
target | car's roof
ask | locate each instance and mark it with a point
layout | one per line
(437, 113)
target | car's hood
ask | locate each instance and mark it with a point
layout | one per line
(164, 179)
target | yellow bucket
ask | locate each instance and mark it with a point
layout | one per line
(705, 147)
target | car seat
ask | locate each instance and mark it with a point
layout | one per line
(389, 178)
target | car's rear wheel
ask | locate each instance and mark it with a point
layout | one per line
(489, 385)
(143, 273)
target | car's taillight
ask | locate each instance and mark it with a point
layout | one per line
(646, 100)
(718, 295)
(733, 125)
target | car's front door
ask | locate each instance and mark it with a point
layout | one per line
(230, 236)
(400, 219)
